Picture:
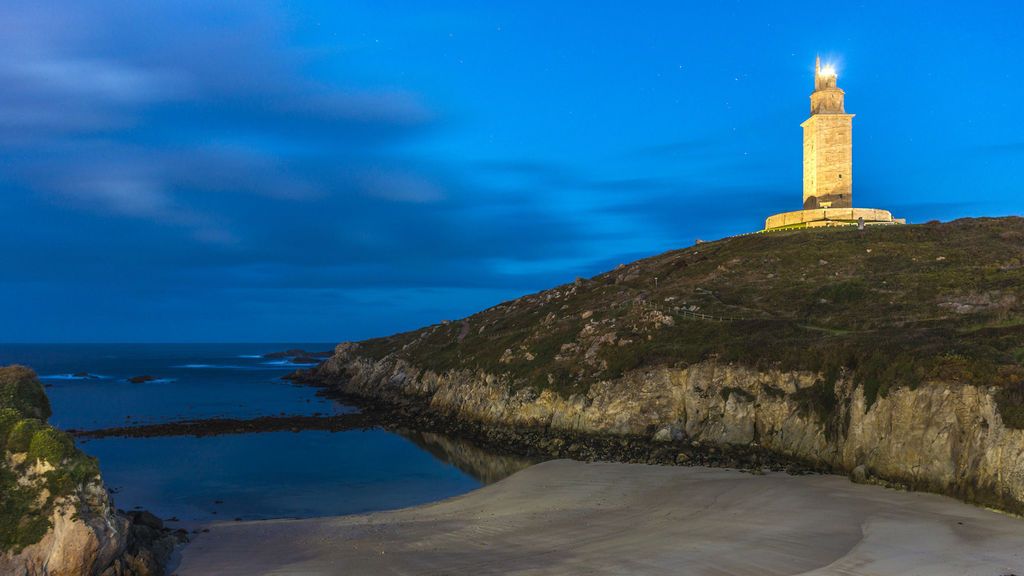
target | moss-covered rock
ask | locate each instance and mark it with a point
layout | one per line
(51, 473)
(56, 517)
(21, 391)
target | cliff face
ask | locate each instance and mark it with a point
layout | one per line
(85, 537)
(943, 438)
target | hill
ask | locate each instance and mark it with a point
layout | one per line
(891, 306)
(893, 354)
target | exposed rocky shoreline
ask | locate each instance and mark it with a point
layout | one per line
(552, 443)
(412, 418)
(944, 439)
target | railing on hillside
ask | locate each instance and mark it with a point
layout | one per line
(685, 311)
(690, 314)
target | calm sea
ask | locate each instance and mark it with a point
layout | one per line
(246, 476)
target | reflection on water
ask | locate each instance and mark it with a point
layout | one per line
(274, 474)
(292, 474)
(486, 467)
(246, 476)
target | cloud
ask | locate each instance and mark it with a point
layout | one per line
(400, 187)
(177, 156)
(131, 196)
(100, 80)
(181, 136)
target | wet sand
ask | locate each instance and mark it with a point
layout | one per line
(565, 517)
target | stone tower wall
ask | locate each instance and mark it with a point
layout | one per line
(828, 161)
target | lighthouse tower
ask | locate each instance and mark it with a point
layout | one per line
(828, 145)
(828, 165)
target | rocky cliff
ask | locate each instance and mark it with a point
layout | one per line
(942, 438)
(893, 354)
(56, 517)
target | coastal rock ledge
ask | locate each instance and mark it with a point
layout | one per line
(948, 439)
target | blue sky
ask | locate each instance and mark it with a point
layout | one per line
(297, 171)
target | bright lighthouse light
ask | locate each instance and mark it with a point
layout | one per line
(828, 70)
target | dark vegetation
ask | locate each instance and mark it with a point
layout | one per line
(25, 442)
(887, 307)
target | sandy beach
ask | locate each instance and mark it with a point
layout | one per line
(565, 517)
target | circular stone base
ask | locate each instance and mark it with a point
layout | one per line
(829, 217)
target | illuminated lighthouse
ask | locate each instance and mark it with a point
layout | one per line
(828, 164)
(828, 145)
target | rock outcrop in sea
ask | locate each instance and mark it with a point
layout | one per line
(57, 517)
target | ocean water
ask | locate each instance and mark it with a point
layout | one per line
(244, 476)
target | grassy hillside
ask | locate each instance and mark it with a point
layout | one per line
(39, 464)
(890, 306)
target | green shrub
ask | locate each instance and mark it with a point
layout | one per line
(1010, 402)
(50, 445)
(21, 434)
(73, 473)
(8, 418)
(22, 520)
(21, 390)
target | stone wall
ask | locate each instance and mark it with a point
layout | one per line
(823, 216)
